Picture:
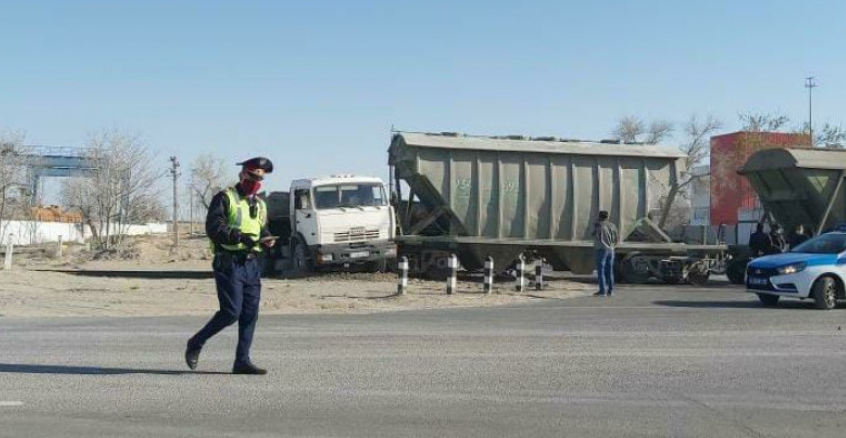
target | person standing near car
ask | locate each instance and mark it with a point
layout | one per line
(760, 242)
(779, 243)
(605, 240)
(237, 227)
(797, 237)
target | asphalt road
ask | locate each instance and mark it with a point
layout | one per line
(652, 361)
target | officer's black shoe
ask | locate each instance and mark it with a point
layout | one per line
(247, 368)
(192, 356)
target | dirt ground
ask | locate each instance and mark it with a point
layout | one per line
(145, 278)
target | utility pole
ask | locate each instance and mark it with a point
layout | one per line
(810, 85)
(191, 209)
(174, 171)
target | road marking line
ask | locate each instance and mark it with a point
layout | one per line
(10, 404)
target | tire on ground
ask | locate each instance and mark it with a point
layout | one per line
(301, 264)
(824, 292)
(736, 271)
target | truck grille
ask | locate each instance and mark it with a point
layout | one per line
(356, 235)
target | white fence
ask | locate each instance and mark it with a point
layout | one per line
(35, 232)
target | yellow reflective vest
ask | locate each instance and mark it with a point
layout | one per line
(239, 218)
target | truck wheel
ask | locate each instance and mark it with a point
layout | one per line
(825, 293)
(300, 260)
(768, 300)
(377, 266)
(268, 265)
(736, 271)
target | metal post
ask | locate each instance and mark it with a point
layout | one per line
(831, 202)
(9, 248)
(489, 269)
(452, 280)
(174, 171)
(402, 284)
(191, 211)
(59, 248)
(521, 273)
(810, 85)
(539, 275)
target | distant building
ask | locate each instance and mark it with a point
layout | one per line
(732, 199)
(700, 195)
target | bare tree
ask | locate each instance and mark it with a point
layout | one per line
(763, 122)
(698, 132)
(14, 157)
(120, 189)
(628, 129)
(658, 131)
(633, 130)
(829, 136)
(207, 178)
(696, 147)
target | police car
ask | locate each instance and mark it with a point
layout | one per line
(815, 269)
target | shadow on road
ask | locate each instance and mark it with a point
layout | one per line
(160, 275)
(700, 304)
(66, 369)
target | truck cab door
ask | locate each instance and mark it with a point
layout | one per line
(305, 219)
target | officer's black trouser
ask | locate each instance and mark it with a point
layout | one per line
(238, 279)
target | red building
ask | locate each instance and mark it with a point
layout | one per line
(730, 192)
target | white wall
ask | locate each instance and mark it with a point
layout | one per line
(33, 232)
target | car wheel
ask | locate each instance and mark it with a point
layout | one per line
(768, 300)
(825, 293)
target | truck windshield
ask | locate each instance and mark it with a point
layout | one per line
(349, 195)
(833, 243)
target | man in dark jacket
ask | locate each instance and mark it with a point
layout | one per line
(237, 227)
(605, 239)
(759, 241)
(779, 243)
(797, 237)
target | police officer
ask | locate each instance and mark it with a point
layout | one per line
(237, 226)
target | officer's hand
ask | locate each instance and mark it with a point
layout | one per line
(248, 241)
(268, 243)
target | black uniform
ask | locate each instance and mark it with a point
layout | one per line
(237, 273)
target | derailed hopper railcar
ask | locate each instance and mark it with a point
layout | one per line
(500, 197)
(800, 186)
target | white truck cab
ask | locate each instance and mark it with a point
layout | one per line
(340, 220)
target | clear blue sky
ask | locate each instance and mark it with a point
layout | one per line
(316, 85)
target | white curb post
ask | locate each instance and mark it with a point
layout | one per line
(452, 280)
(59, 248)
(7, 265)
(489, 269)
(539, 275)
(402, 285)
(521, 274)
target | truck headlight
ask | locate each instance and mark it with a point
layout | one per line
(325, 258)
(792, 269)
